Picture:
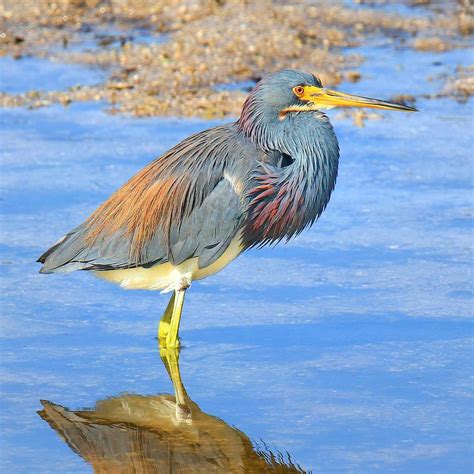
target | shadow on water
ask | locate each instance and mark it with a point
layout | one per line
(160, 433)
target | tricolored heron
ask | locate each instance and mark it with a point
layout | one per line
(190, 212)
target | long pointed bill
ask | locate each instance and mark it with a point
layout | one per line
(326, 98)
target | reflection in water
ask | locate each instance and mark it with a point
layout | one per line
(160, 434)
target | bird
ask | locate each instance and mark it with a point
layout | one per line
(257, 181)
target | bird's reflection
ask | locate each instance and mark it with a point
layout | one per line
(160, 434)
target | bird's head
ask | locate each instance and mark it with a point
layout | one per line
(291, 91)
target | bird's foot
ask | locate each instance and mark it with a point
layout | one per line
(165, 338)
(169, 343)
(163, 330)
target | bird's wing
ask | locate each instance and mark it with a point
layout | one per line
(209, 229)
(180, 206)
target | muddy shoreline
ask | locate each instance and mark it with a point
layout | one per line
(198, 58)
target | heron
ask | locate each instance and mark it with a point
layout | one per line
(259, 180)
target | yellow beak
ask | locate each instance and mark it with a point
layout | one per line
(326, 98)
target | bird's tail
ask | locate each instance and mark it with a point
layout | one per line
(68, 254)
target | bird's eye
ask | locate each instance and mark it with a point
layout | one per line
(298, 90)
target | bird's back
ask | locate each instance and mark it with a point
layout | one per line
(188, 203)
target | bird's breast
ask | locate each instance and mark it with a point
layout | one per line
(282, 203)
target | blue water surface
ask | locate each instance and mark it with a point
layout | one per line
(41, 74)
(349, 348)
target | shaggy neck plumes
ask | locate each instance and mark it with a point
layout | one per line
(283, 204)
(308, 137)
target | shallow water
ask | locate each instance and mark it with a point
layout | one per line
(29, 73)
(349, 348)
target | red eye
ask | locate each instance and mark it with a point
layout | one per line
(298, 90)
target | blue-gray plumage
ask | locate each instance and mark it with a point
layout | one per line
(190, 212)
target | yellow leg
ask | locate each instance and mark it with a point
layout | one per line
(172, 340)
(164, 325)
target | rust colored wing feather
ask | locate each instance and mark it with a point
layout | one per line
(176, 208)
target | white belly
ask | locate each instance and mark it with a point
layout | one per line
(168, 277)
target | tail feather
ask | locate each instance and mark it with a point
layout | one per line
(64, 255)
(45, 255)
(74, 252)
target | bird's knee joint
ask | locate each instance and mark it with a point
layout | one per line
(184, 282)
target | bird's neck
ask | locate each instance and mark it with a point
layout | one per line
(285, 202)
